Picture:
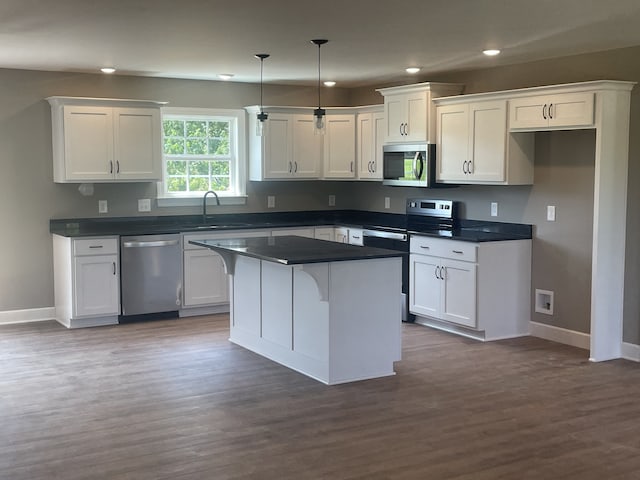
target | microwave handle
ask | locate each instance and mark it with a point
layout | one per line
(418, 165)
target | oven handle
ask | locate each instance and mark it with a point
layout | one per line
(158, 243)
(382, 234)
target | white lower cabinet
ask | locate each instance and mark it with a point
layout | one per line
(308, 232)
(206, 284)
(325, 233)
(86, 281)
(481, 290)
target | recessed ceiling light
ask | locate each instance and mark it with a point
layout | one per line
(225, 76)
(107, 69)
(412, 70)
(329, 83)
(492, 52)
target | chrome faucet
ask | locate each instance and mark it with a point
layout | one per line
(204, 204)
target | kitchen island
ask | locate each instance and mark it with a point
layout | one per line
(329, 310)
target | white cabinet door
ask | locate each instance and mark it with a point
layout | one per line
(487, 141)
(562, 110)
(277, 146)
(325, 233)
(395, 115)
(370, 137)
(340, 146)
(96, 286)
(342, 235)
(137, 140)
(416, 114)
(307, 148)
(88, 143)
(452, 152)
(458, 295)
(205, 280)
(424, 285)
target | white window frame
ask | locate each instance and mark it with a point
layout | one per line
(239, 170)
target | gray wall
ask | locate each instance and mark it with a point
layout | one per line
(563, 176)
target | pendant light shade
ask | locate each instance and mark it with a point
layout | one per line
(319, 113)
(262, 117)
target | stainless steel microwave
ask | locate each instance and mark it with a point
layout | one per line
(409, 165)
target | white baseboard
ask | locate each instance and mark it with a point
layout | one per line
(561, 335)
(631, 351)
(26, 316)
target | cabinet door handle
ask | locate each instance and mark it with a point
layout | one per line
(351, 167)
(290, 168)
(550, 111)
(114, 268)
(458, 251)
(110, 166)
(373, 167)
(544, 111)
(443, 273)
(406, 129)
(464, 167)
(401, 132)
(295, 165)
(469, 167)
(117, 166)
(438, 272)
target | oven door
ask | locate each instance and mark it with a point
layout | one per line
(398, 241)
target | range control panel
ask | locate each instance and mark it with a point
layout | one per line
(432, 208)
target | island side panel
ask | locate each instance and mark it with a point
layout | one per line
(245, 302)
(365, 318)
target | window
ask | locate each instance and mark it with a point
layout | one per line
(203, 149)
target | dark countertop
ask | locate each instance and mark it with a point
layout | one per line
(466, 230)
(293, 250)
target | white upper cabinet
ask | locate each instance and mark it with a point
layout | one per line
(548, 112)
(288, 148)
(340, 146)
(410, 113)
(370, 135)
(474, 146)
(102, 140)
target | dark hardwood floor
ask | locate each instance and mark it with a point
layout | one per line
(174, 399)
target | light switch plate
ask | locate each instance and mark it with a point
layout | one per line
(494, 209)
(144, 205)
(387, 202)
(271, 201)
(332, 200)
(102, 206)
(551, 213)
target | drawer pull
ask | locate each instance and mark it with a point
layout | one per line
(95, 246)
(458, 251)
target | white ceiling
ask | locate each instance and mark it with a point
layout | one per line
(370, 41)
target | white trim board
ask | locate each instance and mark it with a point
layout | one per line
(631, 351)
(26, 316)
(560, 335)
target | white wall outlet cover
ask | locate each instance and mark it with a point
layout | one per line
(144, 205)
(271, 201)
(102, 206)
(551, 213)
(387, 202)
(332, 200)
(494, 209)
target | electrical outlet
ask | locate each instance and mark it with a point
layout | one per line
(387, 202)
(271, 201)
(332, 200)
(144, 205)
(494, 209)
(102, 206)
(551, 213)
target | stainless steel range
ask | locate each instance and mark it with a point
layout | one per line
(438, 217)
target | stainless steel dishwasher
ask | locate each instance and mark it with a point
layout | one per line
(150, 274)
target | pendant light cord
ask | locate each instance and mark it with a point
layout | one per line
(319, 45)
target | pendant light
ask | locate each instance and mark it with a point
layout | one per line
(262, 117)
(319, 113)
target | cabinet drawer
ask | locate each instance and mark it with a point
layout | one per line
(95, 246)
(465, 251)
